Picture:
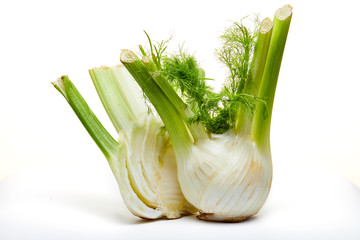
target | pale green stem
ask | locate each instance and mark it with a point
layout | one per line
(107, 144)
(252, 85)
(119, 94)
(262, 118)
(197, 129)
(260, 55)
(173, 117)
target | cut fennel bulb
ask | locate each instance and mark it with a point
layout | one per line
(146, 170)
(184, 149)
(142, 160)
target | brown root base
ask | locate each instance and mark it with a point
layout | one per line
(211, 217)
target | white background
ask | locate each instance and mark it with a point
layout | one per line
(316, 111)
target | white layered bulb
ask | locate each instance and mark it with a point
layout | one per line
(146, 172)
(145, 164)
(227, 177)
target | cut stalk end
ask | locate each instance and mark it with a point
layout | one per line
(284, 12)
(128, 56)
(59, 85)
(266, 26)
(146, 59)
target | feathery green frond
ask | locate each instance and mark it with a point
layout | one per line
(216, 111)
(236, 53)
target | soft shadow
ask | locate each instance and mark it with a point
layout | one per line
(249, 220)
(149, 221)
(109, 208)
(112, 209)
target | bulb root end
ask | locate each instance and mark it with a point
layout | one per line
(214, 218)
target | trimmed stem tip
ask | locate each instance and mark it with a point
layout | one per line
(284, 12)
(266, 26)
(128, 56)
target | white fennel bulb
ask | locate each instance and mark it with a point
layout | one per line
(227, 177)
(183, 148)
(222, 147)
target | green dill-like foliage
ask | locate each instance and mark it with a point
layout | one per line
(220, 123)
(236, 53)
(157, 50)
(185, 75)
(216, 111)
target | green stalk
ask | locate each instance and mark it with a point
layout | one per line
(119, 94)
(196, 129)
(262, 118)
(259, 59)
(162, 82)
(150, 65)
(102, 138)
(172, 116)
(142, 50)
(252, 85)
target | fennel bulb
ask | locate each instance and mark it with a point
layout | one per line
(193, 150)
(227, 177)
